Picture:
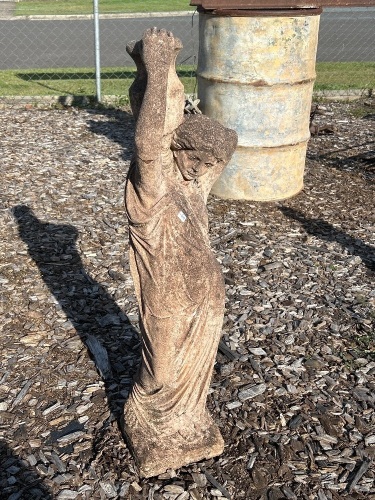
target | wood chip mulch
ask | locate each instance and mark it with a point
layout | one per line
(294, 383)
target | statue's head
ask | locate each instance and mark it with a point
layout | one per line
(201, 143)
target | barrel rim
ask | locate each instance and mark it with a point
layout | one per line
(261, 12)
(260, 84)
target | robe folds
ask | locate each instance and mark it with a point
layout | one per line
(180, 292)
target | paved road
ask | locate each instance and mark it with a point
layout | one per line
(345, 35)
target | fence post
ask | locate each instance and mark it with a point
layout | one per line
(97, 51)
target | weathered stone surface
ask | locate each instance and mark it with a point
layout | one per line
(178, 282)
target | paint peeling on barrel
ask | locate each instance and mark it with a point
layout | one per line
(256, 75)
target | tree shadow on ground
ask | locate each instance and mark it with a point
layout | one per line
(89, 307)
(325, 231)
(18, 479)
(116, 74)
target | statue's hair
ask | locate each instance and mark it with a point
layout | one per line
(201, 133)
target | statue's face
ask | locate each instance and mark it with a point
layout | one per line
(192, 163)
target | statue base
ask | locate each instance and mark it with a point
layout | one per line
(155, 453)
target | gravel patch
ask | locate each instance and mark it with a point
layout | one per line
(293, 388)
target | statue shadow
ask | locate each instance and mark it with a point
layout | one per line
(91, 310)
(18, 479)
(118, 127)
(325, 231)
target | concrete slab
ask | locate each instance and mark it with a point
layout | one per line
(6, 9)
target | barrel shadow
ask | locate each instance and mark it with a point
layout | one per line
(325, 231)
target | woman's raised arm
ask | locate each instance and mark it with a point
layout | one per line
(158, 52)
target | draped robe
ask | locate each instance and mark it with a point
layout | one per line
(180, 291)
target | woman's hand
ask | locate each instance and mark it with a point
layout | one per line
(159, 49)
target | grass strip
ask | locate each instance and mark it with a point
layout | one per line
(116, 81)
(70, 7)
(73, 81)
(345, 75)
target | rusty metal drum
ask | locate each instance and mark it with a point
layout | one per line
(256, 75)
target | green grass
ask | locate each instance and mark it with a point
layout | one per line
(58, 7)
(345, 75)
(73, 81)
(116, 81)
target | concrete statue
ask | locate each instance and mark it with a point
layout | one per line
(178, 282)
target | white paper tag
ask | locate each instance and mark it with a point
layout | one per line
(181, 216)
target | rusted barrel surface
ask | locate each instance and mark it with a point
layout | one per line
(256, 75)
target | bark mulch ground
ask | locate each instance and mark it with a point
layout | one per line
(293, 388)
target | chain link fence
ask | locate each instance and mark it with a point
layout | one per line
(54, 55)
(346, 52)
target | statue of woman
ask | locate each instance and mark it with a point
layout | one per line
(178, 282)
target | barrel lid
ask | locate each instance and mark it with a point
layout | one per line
(260, 5)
